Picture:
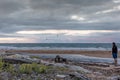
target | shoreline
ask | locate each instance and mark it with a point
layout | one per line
(102, 54)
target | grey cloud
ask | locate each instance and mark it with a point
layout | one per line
(54, 3)
(55, 14)
(9, 6)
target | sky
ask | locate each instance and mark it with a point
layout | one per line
(59, 21)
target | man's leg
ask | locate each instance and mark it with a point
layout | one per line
(115, 61)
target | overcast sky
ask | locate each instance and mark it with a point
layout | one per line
(58, 21)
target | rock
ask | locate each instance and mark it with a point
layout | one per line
(57, 58)
(114, 78)
(61, 76)
(60, 59)
(4, 76)
(98, 73)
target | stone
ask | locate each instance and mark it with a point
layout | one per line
(60, 76)
(59, 59)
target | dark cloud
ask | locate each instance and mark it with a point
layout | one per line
(53, 14)
(20, 15)
(64, 3)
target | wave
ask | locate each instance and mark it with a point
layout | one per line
(52, 48)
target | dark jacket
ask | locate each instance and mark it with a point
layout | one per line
(114, 49)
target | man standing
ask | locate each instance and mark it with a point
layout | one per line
(114, 53)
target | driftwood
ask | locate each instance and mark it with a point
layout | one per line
(78, 76)
(16, 61)
(95, 64)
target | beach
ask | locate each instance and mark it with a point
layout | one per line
(92, 53)
(84, 64)
(79, 64)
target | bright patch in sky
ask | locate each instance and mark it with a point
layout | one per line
(117, 8)
(13, 40)
(116, 1)
(75, 17)
(66, 32)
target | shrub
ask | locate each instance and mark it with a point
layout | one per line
(42, 69)
(39, 79)
(39, 68)
(25, 68)
(34, 67)
(6, 66)
(1, 64)
(10, 68)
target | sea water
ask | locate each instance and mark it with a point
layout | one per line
(59, 46)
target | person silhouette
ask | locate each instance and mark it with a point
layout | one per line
(114, 53)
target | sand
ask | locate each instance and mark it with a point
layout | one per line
(103, 54)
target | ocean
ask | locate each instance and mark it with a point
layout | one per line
(59, 46)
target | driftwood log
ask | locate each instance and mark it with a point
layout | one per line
(16, 61)
(95, 64)
(78, 76)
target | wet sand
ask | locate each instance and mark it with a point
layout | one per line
(103, 54)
